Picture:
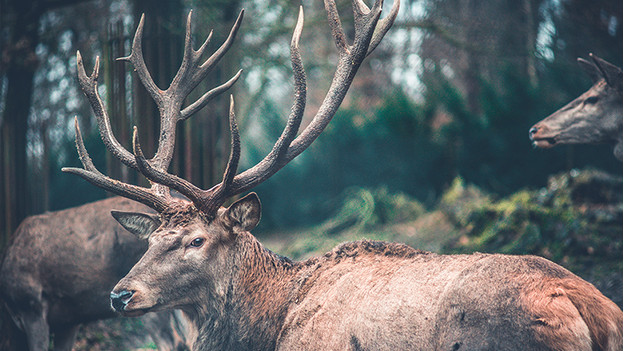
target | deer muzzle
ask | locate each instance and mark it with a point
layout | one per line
(541, 136)
(119, 300)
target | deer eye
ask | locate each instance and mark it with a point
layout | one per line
(591, 100)
(197, 242)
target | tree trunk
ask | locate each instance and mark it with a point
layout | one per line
(20, 71)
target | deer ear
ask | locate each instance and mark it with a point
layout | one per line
(591, 69)
(611, 73)
(139, 224)
(245, 212)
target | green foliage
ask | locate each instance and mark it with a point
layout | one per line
(460, 200)
(488, 144)
(364, 209)
(556, 222)
(419, 148)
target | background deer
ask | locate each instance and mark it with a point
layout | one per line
(60, 267)
(594, 117)
(203, 260)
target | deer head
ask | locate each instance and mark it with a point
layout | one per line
(593, 117)
(196, 247)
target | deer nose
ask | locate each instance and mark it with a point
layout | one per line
(120, 300)
(532, 132)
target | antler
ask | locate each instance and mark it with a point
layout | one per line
(369, 30)
(169, 102)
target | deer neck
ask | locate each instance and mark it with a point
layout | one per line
(250, 312)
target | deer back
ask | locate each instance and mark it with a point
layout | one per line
(373, 295)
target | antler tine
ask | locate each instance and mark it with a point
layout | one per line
(235, 151)
(208, 201)
(185, 187)
(189, 75)
(95, 177)
(85, 159)
(351, 56)
(365, 25)
(215, 197)
(336, 26)
(136, 58)
(207, 97)
(188, 42)
(359, 8)
(296, 112)
(383, 27)
(276, 158)
(287, 147)
(192, 71)
(217, 55)
(89, 87)
(169, 103)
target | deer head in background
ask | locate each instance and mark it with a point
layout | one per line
(594, 117)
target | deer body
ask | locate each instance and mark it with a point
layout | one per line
(377, 299)
(592, 118)
(60, 267)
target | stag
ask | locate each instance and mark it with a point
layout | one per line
(60, 267)
(203, 260)
(592, 118)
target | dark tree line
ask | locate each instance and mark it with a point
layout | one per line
(19, 37)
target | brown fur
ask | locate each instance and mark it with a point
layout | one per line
(555, 303)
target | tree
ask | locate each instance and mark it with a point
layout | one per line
(20, 35)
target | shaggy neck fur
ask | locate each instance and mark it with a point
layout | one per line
(248, 313)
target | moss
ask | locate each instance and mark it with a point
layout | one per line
(460, 202)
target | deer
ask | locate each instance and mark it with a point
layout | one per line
(203, 259)
(59, 268)
(593, 117)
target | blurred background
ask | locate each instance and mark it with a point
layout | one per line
(430, 147)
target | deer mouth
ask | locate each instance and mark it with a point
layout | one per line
(544, 143)
(540, 137)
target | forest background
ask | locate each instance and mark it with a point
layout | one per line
(451, 92)
(430, 147)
